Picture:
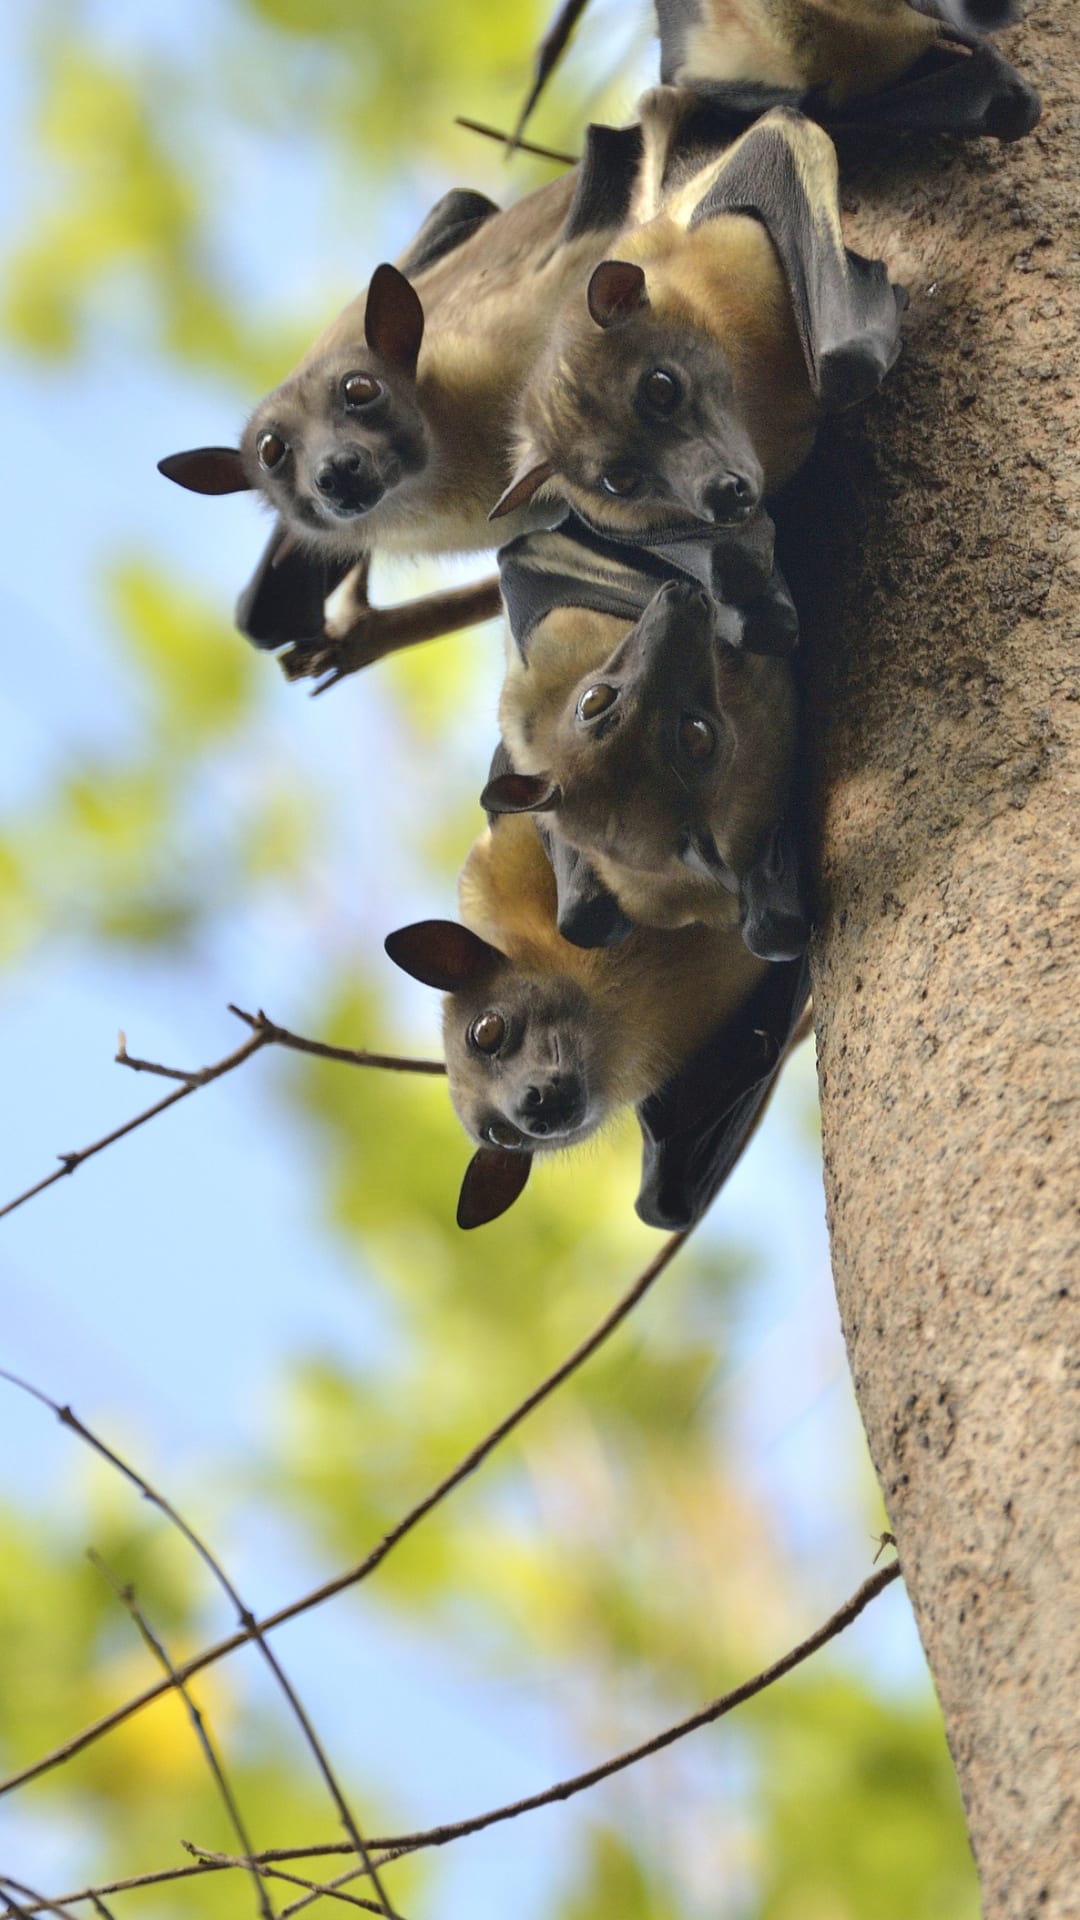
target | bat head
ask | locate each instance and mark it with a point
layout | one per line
(631, 417)
(526, 1056)
(338, 436)
(639, 757)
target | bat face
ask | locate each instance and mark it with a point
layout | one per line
(636, 425)
(526, 1060)
(333, 441)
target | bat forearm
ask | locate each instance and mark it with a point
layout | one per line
(378, 631)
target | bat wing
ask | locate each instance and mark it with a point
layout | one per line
(284, 599)
(453, 219)
(694, 1130)
(783, 172)
(962, 86)
(606, 175)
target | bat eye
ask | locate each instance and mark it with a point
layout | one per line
(487, 1033)
(360, 389)
(696, 737)
(499, 1133)
(271, 449)
(660, 391)
(596, 700)
(621, 481)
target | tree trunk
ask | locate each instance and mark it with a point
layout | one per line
(939, 594)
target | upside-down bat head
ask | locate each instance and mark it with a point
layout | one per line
(633, 419)
(667, 765)
(339, 435)
(529, 1056)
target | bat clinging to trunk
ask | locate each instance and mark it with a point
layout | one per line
(686, 382)
(912, 66)
(544, 1040)
(393, 431)
(649, 718)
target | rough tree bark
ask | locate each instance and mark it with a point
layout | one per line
(940, 589)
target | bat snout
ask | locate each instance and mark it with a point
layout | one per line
(554, 1108)
(349, 484)
(731, 499)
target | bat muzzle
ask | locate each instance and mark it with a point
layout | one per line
(554, 1110)
(349, 485)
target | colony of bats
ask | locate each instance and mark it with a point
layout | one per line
(614, 377)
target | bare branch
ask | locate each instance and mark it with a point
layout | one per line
(354, 1575)
(331, 1890)
(395, 1846)
(126, 1594)
(37, 1903)
(251, 1628)
(322, 1050)
(264, 1033)
(516, 146)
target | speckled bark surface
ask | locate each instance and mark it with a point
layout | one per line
(939, 585)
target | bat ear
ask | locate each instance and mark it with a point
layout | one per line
(442, 954)
(521, 793)
(616, 292)
(526, 481)
(394, 319)
(207, 470)
(493, 1180)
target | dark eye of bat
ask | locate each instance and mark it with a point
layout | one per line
(487, 1033)
(271, 449)
(660, 390)
(596, 700)
(621, 481)
(696, 737)
(360, 389)
(501, 1134)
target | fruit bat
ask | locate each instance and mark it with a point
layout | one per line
(545, 1040)
(392, 432)
(648, 713)
(686, 381)
(876, 65)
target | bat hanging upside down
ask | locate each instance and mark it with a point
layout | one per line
(545, 1040)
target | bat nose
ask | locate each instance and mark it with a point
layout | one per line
(730, 500)
(556, 1107)
(349, 482)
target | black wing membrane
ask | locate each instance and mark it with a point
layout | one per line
(588, 914)
(284, 599)
(782, 171)
(452, 220)
(694, 1130)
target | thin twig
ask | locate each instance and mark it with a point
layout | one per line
(322, 1050)
(38, 1901)
(352, 1577)
(516, 146)
(394, 1846)
(331, 1889)
(250, 1626)
(125, 1592)
(264, 1033)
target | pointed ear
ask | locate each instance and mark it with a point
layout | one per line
(207, 470)
(394, 318)
(616, 292)
(442, 954)
(526, 481)
(493, 1180)
(521, 793)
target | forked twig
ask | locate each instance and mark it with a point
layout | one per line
(125, 1593)
(354, 1575)
(264, 1033)
(251, 1629)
